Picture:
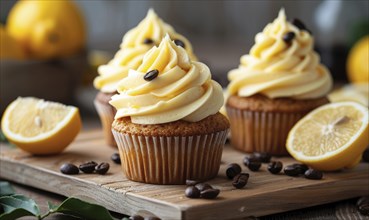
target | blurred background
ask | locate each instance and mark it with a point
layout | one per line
(220, 32)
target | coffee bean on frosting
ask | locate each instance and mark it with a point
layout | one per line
(179, 43)
(148, 41)
(152, 74)
(288, 37)
(299, 24)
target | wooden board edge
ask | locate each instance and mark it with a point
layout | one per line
(125, 203)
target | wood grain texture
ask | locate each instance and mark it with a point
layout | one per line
(264, 194)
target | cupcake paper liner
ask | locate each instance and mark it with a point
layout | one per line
(170, 160)
(253, 131)
(106, 113)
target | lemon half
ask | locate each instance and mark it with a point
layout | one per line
(40, 127)
(331, 137)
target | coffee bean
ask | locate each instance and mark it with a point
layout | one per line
(299, 24)
(192, 192)
(148, 41)
(291, 170)
(366, 156)
(288, 37)
(136, 217)
(275, 167)
(179, 43)
(152, 74)
(301, 167)
(210, 193)
(363, 205)
(115, 158)
(313, 174)
(263, 156)
(152, 218)
(240, 180)
(102, 168)
(88, 167)
(191, 182)
(250, 158)
(233, 170)
(69, 168)
(203, 186)
(254, 165)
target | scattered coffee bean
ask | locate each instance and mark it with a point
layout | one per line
(299, 24)
(252, 163)
(69, 168)
(240, 180)
(152, 74)
(191, 182)
(203, 186)
(363, 205)
(263, 156)
(102, 168)
(210, 193)
(301, 167)
(152, 218)
(291, 170)
(88, 167)
(192, 192)
(250, 158)
(233, 170)
(136, 217)
(366, 155)
(313, 174)
(179, 43)
(115, 158)
(288, 37)
(148, 41)
(275, 167)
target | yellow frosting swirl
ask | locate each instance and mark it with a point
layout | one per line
(183, 90)
(277, 68)
(132, 50)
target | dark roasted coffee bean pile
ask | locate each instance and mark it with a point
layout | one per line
(197, 189)
(115, 158)
(88, 167)
(363, 205)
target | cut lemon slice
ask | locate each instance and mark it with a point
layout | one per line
(331, 137)
(356, 92)
(40, 127)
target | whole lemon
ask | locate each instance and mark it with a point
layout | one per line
(47, 29)
(9, 48)
(358, 62)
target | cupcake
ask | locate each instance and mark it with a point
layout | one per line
(135, 44)
(277, 83)
(168, 127)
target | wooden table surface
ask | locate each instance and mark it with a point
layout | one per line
(339, 210)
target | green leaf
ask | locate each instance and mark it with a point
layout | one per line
(6, 189)
(76, 207)
(17, 206)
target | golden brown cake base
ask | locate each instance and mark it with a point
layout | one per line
(106, 113)
(261, 124)
(173, 152)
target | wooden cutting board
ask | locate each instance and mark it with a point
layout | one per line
(264, 194)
